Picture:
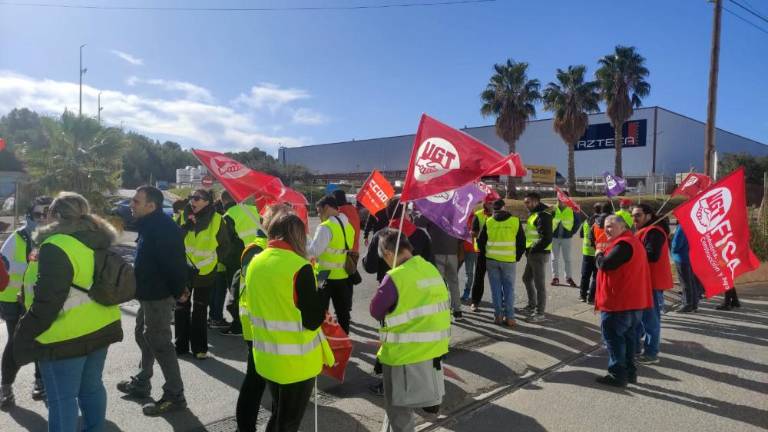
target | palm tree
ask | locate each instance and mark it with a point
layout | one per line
(511, 97)
(622, 83)
(571, 99)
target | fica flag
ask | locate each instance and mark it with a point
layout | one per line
(375, 193)
(614, 185)
(715, 224)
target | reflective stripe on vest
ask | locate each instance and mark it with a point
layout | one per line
(531, 233)
(16, 269)
(334, 255)
(80, 316)
(283, 350)
(419, 327)
(481, 217)
(201, 247)
(564, 216)
(502, 236)
(586, 247)
(247, 222)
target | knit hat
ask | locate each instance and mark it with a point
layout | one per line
(69, 206)
(625, 202)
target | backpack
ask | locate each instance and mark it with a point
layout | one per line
(113, 279)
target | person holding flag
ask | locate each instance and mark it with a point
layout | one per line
(563, 222)
(538, 244)
(653, 233)
(588, 269)
(478, 279)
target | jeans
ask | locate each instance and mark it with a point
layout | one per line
(190, 318)
(588, 277)
(561, 246)
(74, 382)
(478, 281)
(502, 278)
(340, 291)
(217, 297)
(619, 331)
(249, 398)
(448, 265)
(690, 283)
(153, 335)
(651, 326)
(533, 279)
(11, 313)
(288, 404)
(470, 258)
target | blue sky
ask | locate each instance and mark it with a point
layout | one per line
(234, 80)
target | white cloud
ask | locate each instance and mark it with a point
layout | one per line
(192, 91)
(129, 58)
(306, 116)
(191, 121)
(271, 96)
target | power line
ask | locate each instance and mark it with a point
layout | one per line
(246, 9)
(745, 20)
(749, 10)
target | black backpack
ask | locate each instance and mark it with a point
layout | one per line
(113, 279)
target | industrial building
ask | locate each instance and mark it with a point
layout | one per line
(658, 144)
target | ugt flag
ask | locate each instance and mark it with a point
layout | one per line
(444, 159)
(565, 199)
(614, 185)
(715, 223)
(692, 185)
(510, 166)
(375, 193)
(450, 210)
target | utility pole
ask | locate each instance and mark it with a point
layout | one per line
(714, 67)
(82, 71)
(98, 114)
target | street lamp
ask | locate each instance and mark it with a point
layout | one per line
(98, 114)
(82, 71)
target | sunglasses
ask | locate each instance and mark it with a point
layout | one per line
(197, 198)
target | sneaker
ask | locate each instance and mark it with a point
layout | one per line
(611, 381)
(555, 281)
(201, 356)
(218, 324)
(232, 332)
(163, 406)
(571, 282)
(473, 307)
(648, 360)
(377, 389)
(528, 310)
(7, 400)
(632, 379)
(458, 315)
(583, 299)
(38, 391)
(725, 307)
(131, 388)
(537, 318)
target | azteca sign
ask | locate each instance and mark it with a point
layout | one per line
(710, 217)
(224, 167)
(435, 157)
(601, 136)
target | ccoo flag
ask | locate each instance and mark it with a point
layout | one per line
(375, 193)
(444, 159)
(715, 223)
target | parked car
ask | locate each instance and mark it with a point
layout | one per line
(122, 209)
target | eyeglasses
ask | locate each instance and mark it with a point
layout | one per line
(197, 198)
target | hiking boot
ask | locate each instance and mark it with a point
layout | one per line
(648, 360)
(7, 400)
(571, 282)
(132, 388)
(611, 381)
(163, 406)
(38, 391)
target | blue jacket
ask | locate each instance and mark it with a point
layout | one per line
(680, 248)
(161, 264)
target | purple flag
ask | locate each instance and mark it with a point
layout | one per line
(614, 185)
(450, 210)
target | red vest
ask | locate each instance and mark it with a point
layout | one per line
(661, 270)
(627, 287)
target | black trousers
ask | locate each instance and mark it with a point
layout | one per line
(191, 319)
(288, 404)
(249, 399)
(340, 291)
(8, 367)
(478, 283)
(730, 298)
(588, 277)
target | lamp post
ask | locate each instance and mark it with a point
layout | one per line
(82, 71)
(98, 114)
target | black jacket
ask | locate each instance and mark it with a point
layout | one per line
(422, 246)
(161, 264)
(223, 237)
(501, 216)
(232, 260)
(51, 290)
(544, 228)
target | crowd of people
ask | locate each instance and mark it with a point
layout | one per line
(281, 284)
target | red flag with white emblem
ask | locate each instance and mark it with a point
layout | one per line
(716, 226)
(565, 199)
(444, 159)
(692, 185)
(375, 193)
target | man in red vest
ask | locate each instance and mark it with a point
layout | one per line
(654, 234)
(623, 291)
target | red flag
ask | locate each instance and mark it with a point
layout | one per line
(375, 193)
(510, 166)
(2, 144)
(243, 182)
(692, 185)
(565, 199)
(444, 159)
(716, 225)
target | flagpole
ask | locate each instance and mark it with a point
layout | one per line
(399, 232)
(670, 197)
